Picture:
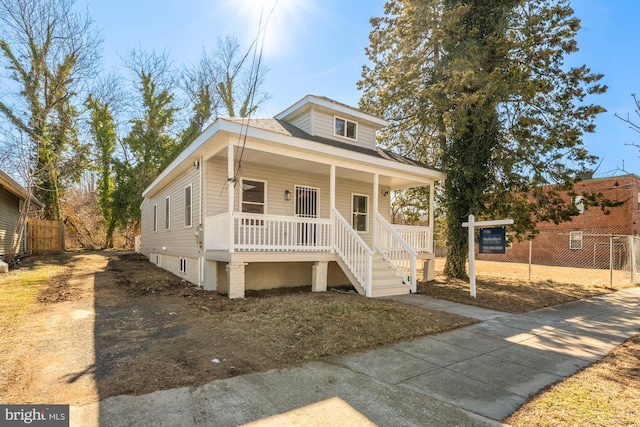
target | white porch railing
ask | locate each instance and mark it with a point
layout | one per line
(353, 251)
(396, 250)
(258, 232)
(419, 238)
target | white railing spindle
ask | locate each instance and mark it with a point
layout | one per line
(354, 252)
(418, 237)
(396, 250)
(257, 232)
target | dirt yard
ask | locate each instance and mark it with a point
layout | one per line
(106, 324)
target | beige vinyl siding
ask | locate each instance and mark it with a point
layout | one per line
(279, 180)
(344, 192)
(304, 121)
(9, 211)
(178, 239)
(366, 136)
(323, 125)
(216, 186)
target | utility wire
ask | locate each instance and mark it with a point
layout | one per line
(255, 76)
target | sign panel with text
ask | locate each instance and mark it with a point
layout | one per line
(492, 240)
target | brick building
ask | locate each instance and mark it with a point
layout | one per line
(587, 240)
(623, 219)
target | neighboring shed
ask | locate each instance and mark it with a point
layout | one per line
(12, 197)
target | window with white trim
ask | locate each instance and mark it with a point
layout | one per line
(187, 206)
(360, 212)
(575, 240)
(167, 213)
(345, 128)
(253, 196)
(183, 265)
(155, 218)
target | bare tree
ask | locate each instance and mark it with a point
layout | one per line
(232, 77)
(15, 158)
(49, 51)
(635, 126)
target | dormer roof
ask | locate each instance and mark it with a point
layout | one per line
(329, 105)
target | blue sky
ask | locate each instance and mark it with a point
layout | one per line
(317, 47)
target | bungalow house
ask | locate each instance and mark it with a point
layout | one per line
(299, 199)
(12, 197)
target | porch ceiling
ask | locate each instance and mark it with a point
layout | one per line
(314, 167)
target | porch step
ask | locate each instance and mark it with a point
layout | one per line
(390, 290)
(385, 281)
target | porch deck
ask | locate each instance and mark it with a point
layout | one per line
(387, 267)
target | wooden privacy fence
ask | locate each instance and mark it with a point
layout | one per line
(45, 237)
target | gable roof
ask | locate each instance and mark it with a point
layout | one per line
(16, 189)
(290, 139)
(324, 103)
(285, 128)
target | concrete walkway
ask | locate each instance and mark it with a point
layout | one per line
(472, 376)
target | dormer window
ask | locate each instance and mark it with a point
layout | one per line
(345, 128)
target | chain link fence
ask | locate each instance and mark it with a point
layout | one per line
(570, 257)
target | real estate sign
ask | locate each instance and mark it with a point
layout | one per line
(492, 240)
(471, 226)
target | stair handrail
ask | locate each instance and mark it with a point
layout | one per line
(354, 251)
(398, 252)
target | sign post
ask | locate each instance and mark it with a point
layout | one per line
(471, 224)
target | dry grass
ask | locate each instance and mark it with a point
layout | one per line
(505, 286)
(21, 289)
(154, 331)
(242, 336)
(606, 393)
(542, 273)
(512, 296)
(150, 322)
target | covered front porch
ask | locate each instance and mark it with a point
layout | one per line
(377, 257)
(389, 267)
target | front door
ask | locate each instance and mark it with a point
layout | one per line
(306, 207)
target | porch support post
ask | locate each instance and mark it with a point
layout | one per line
(376, 192)
(231, 194)
(432, 190)
(319, 276)
(235, 279)
(332, 203)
